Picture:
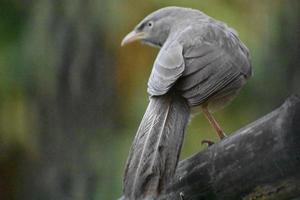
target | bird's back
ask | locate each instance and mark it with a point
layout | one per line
(217, 63)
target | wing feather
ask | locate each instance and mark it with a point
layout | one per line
(211, 63)
(199, 63)
(168, 67)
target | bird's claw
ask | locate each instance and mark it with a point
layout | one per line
(208, 142)
(223, 136)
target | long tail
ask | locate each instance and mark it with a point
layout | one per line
(154, 154)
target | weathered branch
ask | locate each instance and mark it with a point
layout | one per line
(260, 161)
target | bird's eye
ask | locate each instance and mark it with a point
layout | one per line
(150, 24)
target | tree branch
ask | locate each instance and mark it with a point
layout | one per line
(260, 161)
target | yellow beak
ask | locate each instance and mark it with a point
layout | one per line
(132, 36)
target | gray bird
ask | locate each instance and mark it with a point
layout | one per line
(201, 63)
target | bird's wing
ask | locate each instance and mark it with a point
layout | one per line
(212, 64)
(168, 67)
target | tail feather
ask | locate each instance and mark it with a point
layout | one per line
(154, 154)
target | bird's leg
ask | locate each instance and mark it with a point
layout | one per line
(213, 123)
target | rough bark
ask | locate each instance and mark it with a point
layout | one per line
(260, 161)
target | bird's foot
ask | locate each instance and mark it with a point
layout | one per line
(222, 135)
(208, 142)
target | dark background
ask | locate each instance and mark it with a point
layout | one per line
(71, 99)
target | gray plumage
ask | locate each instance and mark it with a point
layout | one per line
(201, 56)
(155, 150)
(201, 61)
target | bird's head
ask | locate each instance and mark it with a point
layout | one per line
(156, 27)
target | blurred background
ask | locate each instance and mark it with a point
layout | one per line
(71, 99)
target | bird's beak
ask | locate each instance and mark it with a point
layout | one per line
(132, 36)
